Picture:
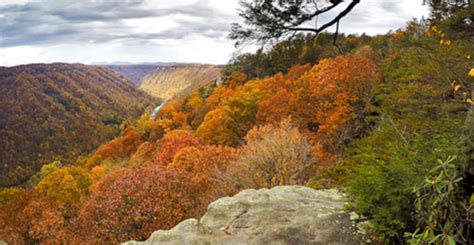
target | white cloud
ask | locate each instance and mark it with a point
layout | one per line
(150, 25)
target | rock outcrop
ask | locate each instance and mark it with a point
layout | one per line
(282, 215)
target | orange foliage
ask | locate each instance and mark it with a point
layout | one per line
(12, 229)
(132, 203)
(341, 91)
(171, 116)
(215, 128)
(118, 149)
(178, 133)
(206, 166)
(173, 178)
(180, 119)
(219, 94)
(194, 101)
(45, 222)
(283, 96)
(398, 35)
(234, 117)
(196, 108)
(97, 170)
(29, 219)
(325, 99)
(169, 147)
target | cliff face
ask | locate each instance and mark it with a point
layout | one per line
(282, 215)
(169, 81)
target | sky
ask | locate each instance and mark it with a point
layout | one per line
(136, 31)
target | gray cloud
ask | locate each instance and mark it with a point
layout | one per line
(51, 22)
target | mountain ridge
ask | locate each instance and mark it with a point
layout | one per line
(59, 111)
(170, 81)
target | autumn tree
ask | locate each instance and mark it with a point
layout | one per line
(130, 204)
(236, 79)
(144, 154)
(45, 171)
(43, 220)
(65, 186)
(169, 146)
(171, 116)
(29, 218)
(218, 96)
(195, 106)
(285, 95)
(207, 168)
(340, 89)
(274, 155)
(218, 128)
(233, 118)
(148, 128)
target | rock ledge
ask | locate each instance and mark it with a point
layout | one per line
(281, 215)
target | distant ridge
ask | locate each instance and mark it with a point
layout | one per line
(169, 81)
(134, 73)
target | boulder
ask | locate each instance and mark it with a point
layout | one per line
(281, 215)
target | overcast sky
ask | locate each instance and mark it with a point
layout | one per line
(92, 31)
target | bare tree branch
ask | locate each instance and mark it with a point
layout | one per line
(266, 20)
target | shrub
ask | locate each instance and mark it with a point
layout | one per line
(442, 215)
(275, 155)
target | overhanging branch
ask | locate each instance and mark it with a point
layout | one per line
(330, 23)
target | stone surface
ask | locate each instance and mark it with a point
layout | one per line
(282, 215)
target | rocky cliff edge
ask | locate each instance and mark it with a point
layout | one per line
(281, 215)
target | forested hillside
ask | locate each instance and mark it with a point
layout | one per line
(388, 119)
(59, 112)
(167, 82)
(134, 73)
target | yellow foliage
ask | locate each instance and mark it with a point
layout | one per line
(166, 124)
(471, 72)
(195, 101)
(65, 185)
(178, 133)
(445, 42)
(7, 194)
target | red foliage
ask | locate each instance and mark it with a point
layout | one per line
(207, 169)
(169, 147)
(132, 203)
